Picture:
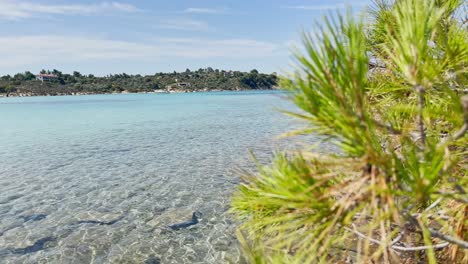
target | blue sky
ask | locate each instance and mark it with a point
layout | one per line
(144, 36)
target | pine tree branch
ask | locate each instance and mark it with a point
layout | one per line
(437, 234)
(460, 133)
(421, 103)
(458, 199)
(451, 239)
(398, 238)
(433, 217)
(433, 205)
(438, 246)
(394, 247)
(389, 128)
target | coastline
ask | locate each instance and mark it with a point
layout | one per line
(162, 91)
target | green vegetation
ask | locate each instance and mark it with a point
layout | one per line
(396, 192)
(76, 83)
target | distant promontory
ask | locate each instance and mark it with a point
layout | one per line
(207, 79)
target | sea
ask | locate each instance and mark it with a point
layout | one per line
(102, 178)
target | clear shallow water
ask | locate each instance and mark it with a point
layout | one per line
(97, 179)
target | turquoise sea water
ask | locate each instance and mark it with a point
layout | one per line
(97, 179)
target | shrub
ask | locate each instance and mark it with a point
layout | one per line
(396, 191)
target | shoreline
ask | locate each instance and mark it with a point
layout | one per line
(163, 91)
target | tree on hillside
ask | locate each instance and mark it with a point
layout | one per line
(7, 89)
(57, 72)
(397, 190)
(29, 76)
(18, 77)
(76, 74)
(6, 77)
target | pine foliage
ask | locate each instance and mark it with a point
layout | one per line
(397, 190)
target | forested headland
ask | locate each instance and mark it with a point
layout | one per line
(208, 79)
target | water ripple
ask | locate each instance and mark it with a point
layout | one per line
(102, 179)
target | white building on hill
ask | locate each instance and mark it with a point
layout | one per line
(46, 77)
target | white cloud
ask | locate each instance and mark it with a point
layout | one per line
(184, 24)
(198, 10)
(14, 9)
(24, 51)
(228, 48)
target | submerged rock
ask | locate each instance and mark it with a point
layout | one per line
(177, 216)
(37, 246)
(168, 217)
(9, 225)
(100, 222)
(10, 198)
(33, 217)
(99, 218)
(186, 224)
(153, 260)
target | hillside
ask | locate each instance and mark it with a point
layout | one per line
(26, 84)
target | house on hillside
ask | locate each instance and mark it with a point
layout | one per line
(228, 73)
(46, 77)
(178, 85)
(183, 84)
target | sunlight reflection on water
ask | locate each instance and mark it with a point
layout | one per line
(97, 179)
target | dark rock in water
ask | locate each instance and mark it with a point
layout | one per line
(186, 224)
(34, 217)
(153, 260)
(58, 166)
(96, 222)
(38, 246)
(119, 150)
(11, 198)
(4, 252)
(160, 209)
(9, 228)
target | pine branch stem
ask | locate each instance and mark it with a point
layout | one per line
(464, 129)
(453, 240)
(438, 246)
(433, 205)
(421, 103)
(460, 133)
(392, 244)
(389, 128)
(398, 238)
